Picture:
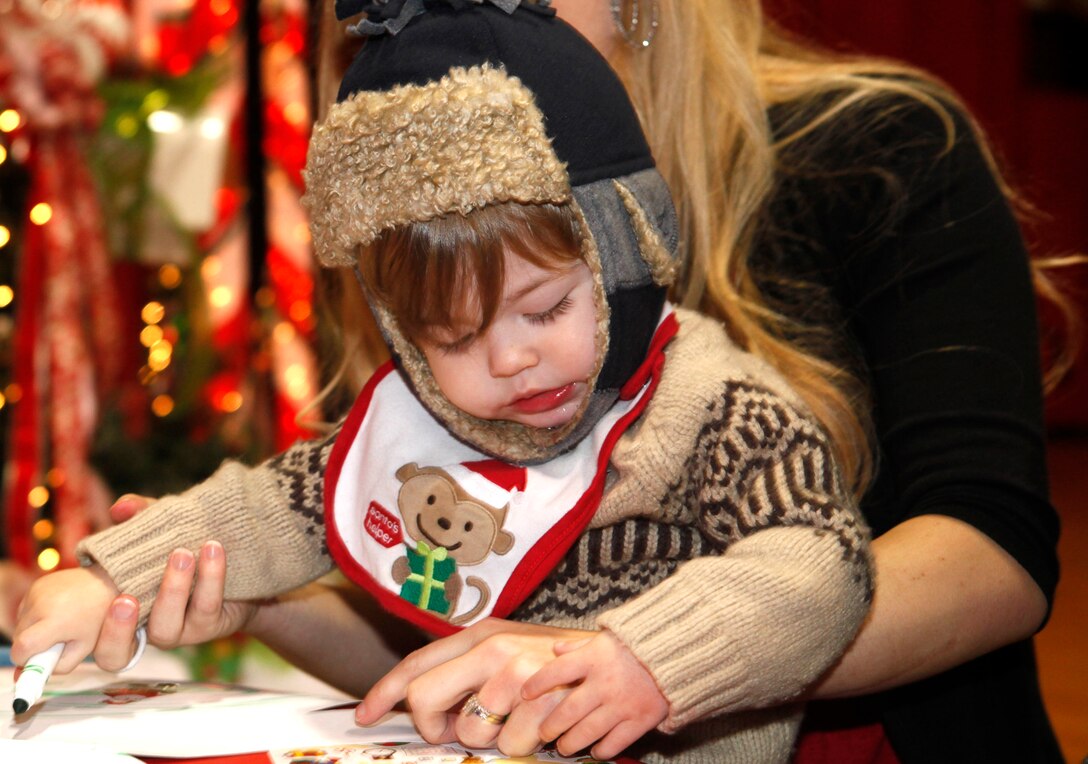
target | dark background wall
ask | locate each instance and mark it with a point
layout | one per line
(1019, 65)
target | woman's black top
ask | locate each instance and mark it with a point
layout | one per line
(915, 261)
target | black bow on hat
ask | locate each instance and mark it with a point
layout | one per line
(391, 16)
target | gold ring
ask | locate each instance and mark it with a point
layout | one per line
(472, 707)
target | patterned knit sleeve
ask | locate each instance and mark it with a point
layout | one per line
(269, 519)
(781, 582)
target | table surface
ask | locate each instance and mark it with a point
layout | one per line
(168, 667)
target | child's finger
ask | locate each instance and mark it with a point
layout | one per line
(569, 646)
(31, 638)
(589, 730)
(40, 637)
(74, 653)
(574, 708)
(566, 670)
(167, 617)
(206, 602)
(117, 639)
(619, 739)
(127, 507)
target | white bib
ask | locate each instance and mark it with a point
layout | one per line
(443, 535)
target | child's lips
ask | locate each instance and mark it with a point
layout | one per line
(544, 401)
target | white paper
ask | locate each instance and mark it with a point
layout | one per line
(149, 717)
(187, 721)
(21, 750)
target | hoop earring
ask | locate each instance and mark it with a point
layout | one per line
(636, 30)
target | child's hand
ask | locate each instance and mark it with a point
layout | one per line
(66, 606)
(15, 582)
(614, 700)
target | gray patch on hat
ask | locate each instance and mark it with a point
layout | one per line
(623, 263)
(610, 226)
(653, 195)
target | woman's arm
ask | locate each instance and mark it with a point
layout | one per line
(945, 593)
(337, 633)
(923, 257)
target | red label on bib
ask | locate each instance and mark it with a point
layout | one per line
(382, 525)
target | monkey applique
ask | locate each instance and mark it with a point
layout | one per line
(445, 513)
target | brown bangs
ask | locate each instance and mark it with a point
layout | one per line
(423, 273)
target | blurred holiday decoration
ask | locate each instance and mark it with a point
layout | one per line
(64, 355)
(164, 323)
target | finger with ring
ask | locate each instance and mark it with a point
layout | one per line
(473, 707)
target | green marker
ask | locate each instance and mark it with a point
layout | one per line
(31, 683)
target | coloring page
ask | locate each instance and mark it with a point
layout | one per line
(409, 753)
(128, 696)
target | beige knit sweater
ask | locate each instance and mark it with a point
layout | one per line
(726, 619)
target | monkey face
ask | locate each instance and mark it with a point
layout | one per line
(436, 511)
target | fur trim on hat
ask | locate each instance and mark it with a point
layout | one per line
(413, 153)
(663, 265)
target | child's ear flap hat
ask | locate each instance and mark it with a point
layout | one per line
(452, 105)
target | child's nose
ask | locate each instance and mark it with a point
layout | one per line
(510, 356)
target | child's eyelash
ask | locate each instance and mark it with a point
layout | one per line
(452, 348)
(561, 307)
(552, 313)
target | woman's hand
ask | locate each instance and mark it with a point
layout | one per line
(584, 687)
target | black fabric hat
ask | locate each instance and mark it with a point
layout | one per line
(474, 103)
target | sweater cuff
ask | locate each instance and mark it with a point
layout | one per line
(269, 549)
(134, 554)
(752, 628)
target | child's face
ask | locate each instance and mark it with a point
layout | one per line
(533, 363)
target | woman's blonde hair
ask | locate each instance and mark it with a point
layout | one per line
(707, 122)
(703, 89)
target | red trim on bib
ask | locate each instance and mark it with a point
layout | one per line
(531, 572)
(337, 545)
(516, 578)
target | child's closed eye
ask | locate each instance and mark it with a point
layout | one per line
(456, 346)
(551, 313)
